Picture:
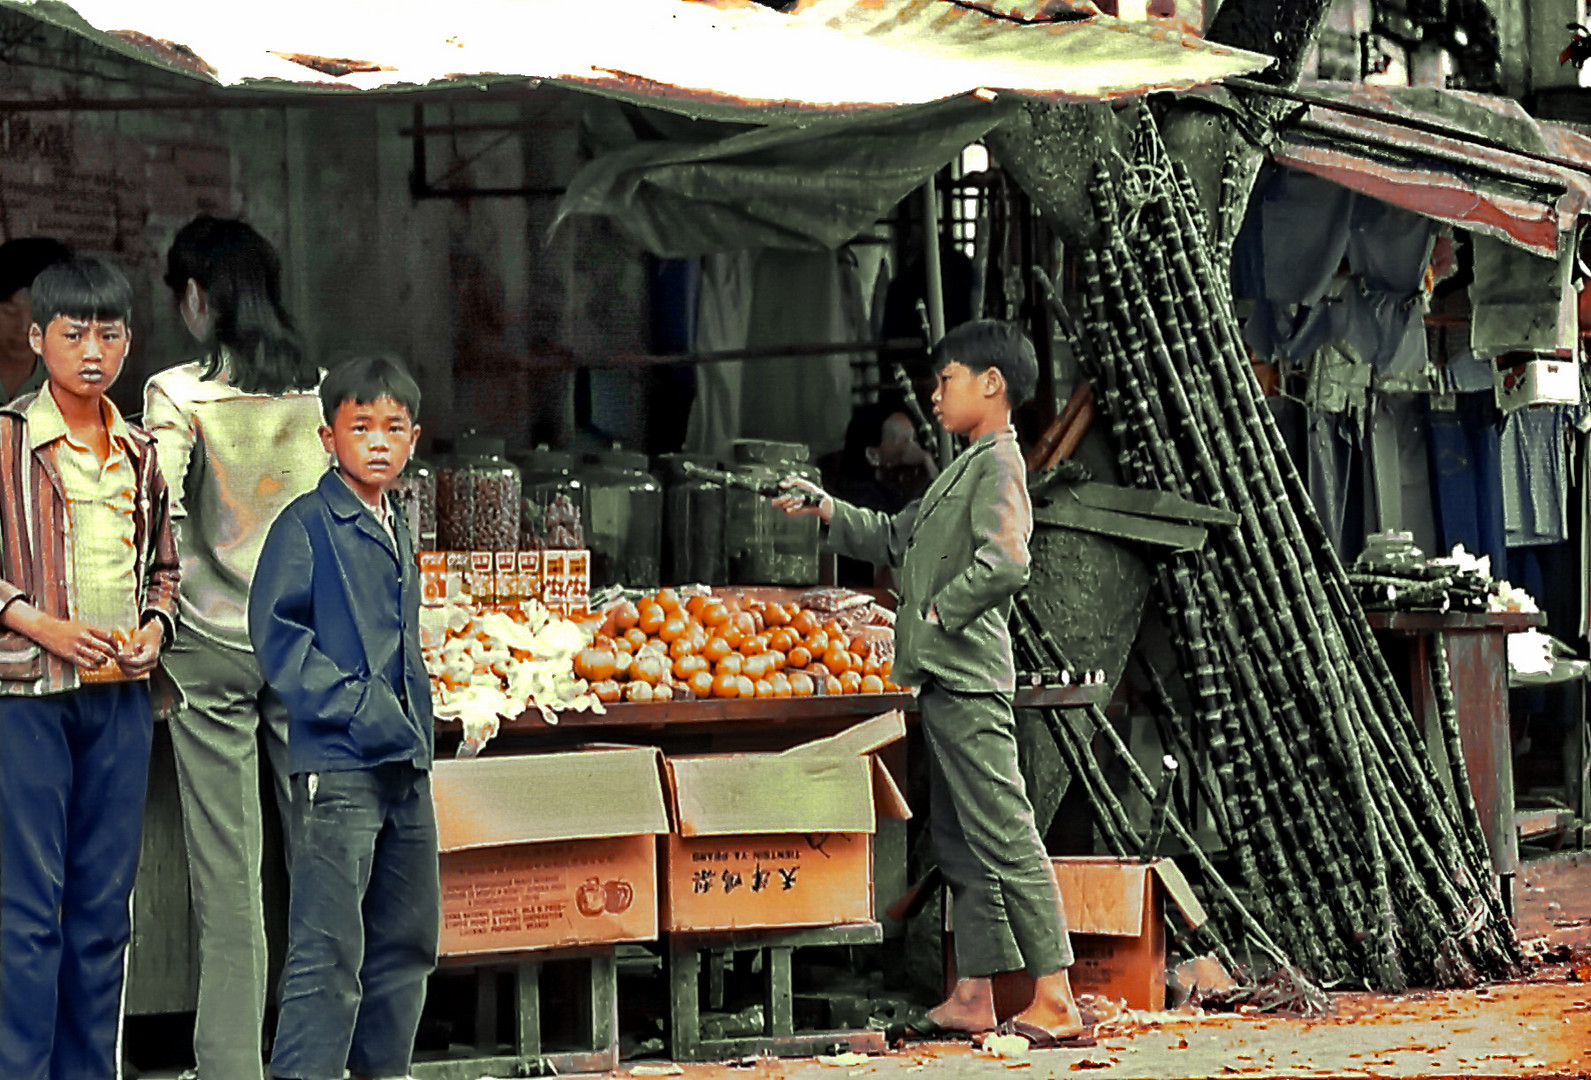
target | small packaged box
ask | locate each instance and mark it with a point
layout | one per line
(458, 572)
(480, 578)
(529, 569)
(554, 574)
(505, 575)
(577, 582)
(433, 578)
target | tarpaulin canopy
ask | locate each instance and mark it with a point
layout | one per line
(813, 186)
(1481, 163)
(698, 55)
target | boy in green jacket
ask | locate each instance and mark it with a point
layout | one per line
(960, 555)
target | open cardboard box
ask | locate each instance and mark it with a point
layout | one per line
(1115, 914)
(763, 841)
(545, 851)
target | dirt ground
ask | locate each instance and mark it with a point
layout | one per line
(1538, 1027)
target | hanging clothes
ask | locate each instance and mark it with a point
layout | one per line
(1535, 473)
(1466, 475)
(723, 320)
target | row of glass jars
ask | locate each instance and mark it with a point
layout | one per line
(640, 532)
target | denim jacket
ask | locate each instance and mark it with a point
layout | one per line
(334, 617)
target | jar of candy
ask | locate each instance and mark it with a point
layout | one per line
(478, 497)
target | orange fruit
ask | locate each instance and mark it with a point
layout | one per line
(662, 692)
(801, 684)
(607, 692)
(836, 659)
(748, 689)
(781, 639)
(775, 615)
(798, 657)
(688, 666)
(743, 622)
(726, 686)
(648, 668)
(625, 615)
(695, 603)
(755, 645)
(732, 664)
(776, 659)
(780, 683)
(762, 688)
(715, 649)
(651, 618)
(803, 622)
(671, 631)
(636, 637)
(701, 683)
(667, 599)
(595, 665)
(714, 614)
(818, 642)
(872, 684)
(851, 682)
(731, 634)
(757, 667)
(638, 692)
(681, 646)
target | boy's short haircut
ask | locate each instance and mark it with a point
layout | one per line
(82, 288)
(991, 343)
(363, 380)
(25, 258)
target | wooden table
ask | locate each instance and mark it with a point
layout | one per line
(1477, 656)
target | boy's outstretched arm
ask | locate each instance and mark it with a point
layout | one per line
(858, 533)
(312, 686)
(1002, 521)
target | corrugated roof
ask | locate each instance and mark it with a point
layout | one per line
(1478, 162)
(825, 55)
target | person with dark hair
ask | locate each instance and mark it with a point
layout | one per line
(961, 555)
(334, 616)
(22, 260)
(88, 597)
(237, 432)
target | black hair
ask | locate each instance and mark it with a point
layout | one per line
(990, 343)
(23, 259)
(363, 380)
(241, 276)
(866, 430)
(82, 288)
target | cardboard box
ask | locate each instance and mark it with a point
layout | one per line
(1115, 914)
(577, 582)
(528, 564)
(1542, 381)
(778, 840)
(554, 573)
(548, 851)
(506, 587)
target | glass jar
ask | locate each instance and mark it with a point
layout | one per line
(415, 493)
(693, 522)
(623, 520)
(763, 544)
(553, 500)
(478, 497)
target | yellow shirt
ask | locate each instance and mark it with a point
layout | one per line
(100, 498)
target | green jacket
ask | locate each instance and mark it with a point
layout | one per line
(961, 549)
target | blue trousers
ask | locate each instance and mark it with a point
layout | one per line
(363, 921)
(73, 768)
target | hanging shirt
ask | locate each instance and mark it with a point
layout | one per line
(101, 499)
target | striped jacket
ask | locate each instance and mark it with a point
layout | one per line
(34, 562)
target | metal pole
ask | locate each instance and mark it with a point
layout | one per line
(935, 281)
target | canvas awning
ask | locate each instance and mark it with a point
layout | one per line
(701, 56)
(1478, 162)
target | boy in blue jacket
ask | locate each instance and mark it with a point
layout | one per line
(334, 619)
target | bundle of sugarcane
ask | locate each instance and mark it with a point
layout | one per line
(1358, 864)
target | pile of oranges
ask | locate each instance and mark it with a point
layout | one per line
(665, 647)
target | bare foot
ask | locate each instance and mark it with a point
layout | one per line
(969, 1008)
(1053, 1008)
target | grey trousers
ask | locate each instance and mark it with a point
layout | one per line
(1006, 909)
(216, 735)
